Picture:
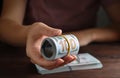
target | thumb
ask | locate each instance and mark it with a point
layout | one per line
(47, 30)
(54, 32)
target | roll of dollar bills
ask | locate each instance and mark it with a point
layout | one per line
(59, 46)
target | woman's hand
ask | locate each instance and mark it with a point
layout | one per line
(84, 36)
(37, 32)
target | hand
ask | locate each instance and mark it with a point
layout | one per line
(38, 32)
(85, 36)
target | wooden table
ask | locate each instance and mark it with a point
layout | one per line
(15, 64)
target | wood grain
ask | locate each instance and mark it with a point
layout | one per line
(15, 64)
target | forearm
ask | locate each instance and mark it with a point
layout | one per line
(11, 29)
(106, 34)
(97, 35)
(12, 32)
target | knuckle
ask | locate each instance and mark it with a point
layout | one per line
(38, 23)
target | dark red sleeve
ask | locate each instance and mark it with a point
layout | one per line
(109, 2)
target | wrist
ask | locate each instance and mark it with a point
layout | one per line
(24, 32)
(93, 35)
(12, 32)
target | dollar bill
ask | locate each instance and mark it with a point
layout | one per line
(84, 61)
(59, 46)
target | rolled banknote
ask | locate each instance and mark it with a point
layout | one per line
(59, 46)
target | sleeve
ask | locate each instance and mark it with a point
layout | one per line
(109, 2)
